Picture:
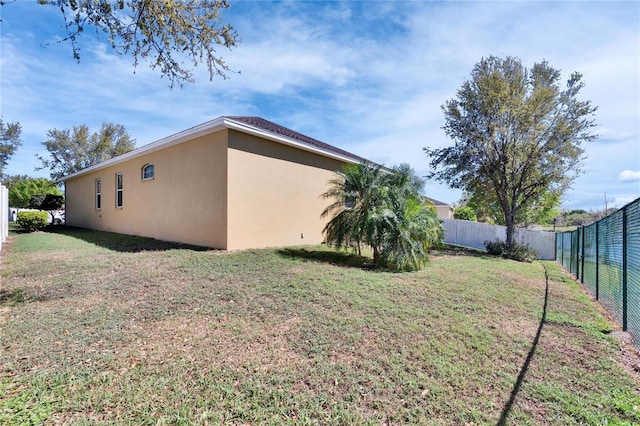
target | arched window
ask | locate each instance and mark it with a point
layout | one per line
(147, 172)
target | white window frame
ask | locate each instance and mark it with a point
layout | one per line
(144, 169)
(119, 190)
(98, 194)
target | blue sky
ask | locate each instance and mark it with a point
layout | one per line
(368, 76)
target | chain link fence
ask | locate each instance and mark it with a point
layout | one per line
(605, 257)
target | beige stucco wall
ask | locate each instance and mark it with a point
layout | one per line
(444, 212)
(185, 202)
(274, 193)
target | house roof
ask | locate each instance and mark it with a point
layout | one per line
(271, 127)
(437, 203)
(256, 126)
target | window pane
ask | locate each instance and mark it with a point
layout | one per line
(147, 172)
(119, 190)
(98, 194)
(349, 203)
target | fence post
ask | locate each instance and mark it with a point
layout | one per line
(570, 250)
(574, 253)
(582, 261)
(578, 253)
(597, 260)
(624, 268)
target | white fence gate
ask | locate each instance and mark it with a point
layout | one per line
(474, 234)
(4, 214)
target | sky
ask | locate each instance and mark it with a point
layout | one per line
(369, 77)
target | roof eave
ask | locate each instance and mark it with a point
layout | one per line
(175, 139)
(204, 129)
(256, 131)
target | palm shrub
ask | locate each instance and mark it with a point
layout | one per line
(408, 242)
(356, 187)
(384, 210)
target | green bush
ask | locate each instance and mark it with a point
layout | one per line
(465, 213)
(496, 248)
(32, 221)
(519, 252)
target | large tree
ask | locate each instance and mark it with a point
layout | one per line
(22, 191)
(541, 210)
(382, 209)
(518, 136)
(73, 150)
(50, 203)
(166, 33)
(10, 180)
(10, 140)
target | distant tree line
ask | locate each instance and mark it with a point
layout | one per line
(69, 151)
(581, 217)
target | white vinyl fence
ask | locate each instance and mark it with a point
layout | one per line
(474, 234)
(4, 214)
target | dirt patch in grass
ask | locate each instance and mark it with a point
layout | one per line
(212, 343)
(629, 356)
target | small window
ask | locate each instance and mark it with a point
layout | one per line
(98, 194)
(147, 172)
(349, 202)
(119, 190)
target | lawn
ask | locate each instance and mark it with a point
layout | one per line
(100, 328)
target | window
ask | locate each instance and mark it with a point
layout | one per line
(349, 202)
(147, 172)
(98, 194)
(119, 190)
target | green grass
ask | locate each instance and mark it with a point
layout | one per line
(99, 328)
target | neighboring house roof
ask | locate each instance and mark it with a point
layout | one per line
(251, 125)
(437, 203)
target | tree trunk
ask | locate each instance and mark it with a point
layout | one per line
(376, 256)
(510, 223)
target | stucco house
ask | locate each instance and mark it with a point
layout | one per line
(443, 210)
(230, 183)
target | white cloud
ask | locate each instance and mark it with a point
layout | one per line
(623, 200)
(629, 176)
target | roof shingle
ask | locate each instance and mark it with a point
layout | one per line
(268, 126)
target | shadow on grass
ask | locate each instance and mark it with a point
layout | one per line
(119, 242)
(452, 250)
(525, 367)
(332, 257)
(18, 297)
